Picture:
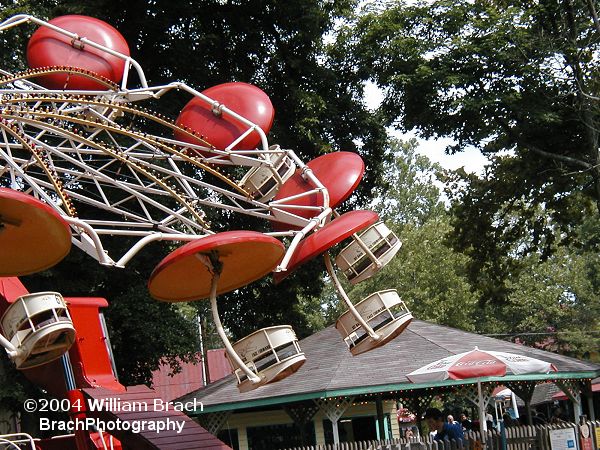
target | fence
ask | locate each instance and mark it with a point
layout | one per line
(514, 438)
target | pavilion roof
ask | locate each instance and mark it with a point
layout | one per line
(331, 371)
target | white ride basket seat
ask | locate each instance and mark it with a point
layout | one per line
(357, 264)
(39, 327)
(384, 312)
(263, 181)
(17, 440)
(271, 353)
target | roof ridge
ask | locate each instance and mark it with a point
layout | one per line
(337, 369)
(429, 340)
(496, 340)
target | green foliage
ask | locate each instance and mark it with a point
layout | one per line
(496, 224)
(490, 74)
(505, 77)
(408, 194)
(13, 393)
(319, 109)
(429, 276)
(552, 302)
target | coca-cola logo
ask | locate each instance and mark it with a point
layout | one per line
(481, 362)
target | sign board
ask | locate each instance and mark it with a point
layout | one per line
(585, 437)
(597, 437)
(563, 439)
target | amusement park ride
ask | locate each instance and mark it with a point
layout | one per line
(84, 161)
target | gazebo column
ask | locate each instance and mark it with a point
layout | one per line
(480, 395)
(573, 391)
(524, 390)
(380, 417)
(301, 414)
(589, 394)
(334, 409)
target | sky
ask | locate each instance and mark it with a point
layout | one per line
(471, 159)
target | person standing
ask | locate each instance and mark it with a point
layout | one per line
(444, 431)
(465, 422)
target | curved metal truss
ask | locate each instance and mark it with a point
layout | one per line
(114, 169)
(111, 167)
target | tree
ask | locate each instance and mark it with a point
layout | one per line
(497, 75)
(319, 109)
(410, 192)
(427, 273)
(552, 304)
(517, 77)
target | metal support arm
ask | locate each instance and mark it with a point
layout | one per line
(342, 293)
(230, 351)
(10, 349)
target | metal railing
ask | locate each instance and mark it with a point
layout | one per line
(17, 441)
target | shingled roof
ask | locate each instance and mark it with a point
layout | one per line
(331, 371)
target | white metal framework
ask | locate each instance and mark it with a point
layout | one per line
(114, 169)
(17, 441)
(111, 167)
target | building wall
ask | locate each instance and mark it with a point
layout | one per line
(190, 378)
(242, 421)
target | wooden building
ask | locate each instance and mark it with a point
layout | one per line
(359, 393)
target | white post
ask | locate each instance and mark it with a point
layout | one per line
(10, 349)
(481, 407)
(333, 410)
(577, 410)
(515, 408)
(336, 433)
(203, 354)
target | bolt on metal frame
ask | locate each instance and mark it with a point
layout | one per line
(156, 187)
(70, 149)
